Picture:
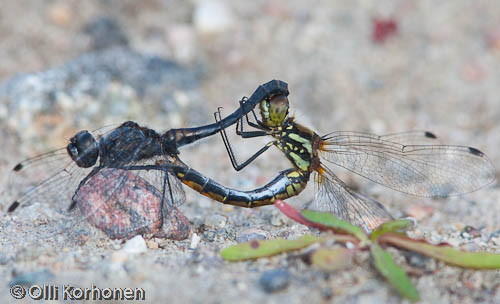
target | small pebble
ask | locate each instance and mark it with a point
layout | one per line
(248, 235)
(349, 245)
(195, 240)
(274, 280)
(494, 240)
(470, 232)
(494, 237)
(135, 245)
(209, 235)
(152, 244)
(277, 219)
(216, 220)
(417, 260)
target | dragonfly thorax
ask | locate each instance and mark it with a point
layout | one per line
(296, 141)
(274, 111)
(127, 144)
(83, 149)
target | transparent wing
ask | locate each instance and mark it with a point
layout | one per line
(422, 170)
(414, 137)
(132, 199)
(51, 177)
(123, 204)
(161, 177)
(54, 178)
(335, 196)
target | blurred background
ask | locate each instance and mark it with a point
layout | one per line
(374, 66)
(379, 67)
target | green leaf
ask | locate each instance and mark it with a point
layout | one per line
(297, 216)
(331, 259)
(391, 226)
(337, 225)
(449, 255)
(393, 273)
(257, 248)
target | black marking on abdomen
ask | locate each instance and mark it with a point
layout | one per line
(249, 199)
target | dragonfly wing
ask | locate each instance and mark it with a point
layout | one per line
(161, 177)
(48, 178)
(132, 199)
(51, 178)
(422, 170)
(333, 195)
(415, 137)
(123, 195)
(132, 170)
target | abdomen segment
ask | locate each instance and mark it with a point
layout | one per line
(288, 183)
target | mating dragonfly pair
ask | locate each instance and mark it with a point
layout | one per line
(404, 162)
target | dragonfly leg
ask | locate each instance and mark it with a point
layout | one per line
(166, 183)
(247, 134)
(230, 151)
(259, 125)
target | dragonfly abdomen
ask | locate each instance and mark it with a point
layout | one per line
(288, 183)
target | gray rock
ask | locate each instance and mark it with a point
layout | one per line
(108, 86)
(274, 280)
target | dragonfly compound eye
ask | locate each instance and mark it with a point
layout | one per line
(278, 109)
(274, 111)
(83, 149)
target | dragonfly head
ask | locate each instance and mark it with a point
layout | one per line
(83, 149)
(274, 111)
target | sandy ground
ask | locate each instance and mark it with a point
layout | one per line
(439, 71)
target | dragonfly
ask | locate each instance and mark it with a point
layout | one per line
(409, 162)
(88, 157)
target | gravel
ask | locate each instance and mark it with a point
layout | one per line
(166, 65)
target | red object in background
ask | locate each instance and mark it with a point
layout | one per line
(383, 29)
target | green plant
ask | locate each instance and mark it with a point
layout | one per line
(388, 234)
